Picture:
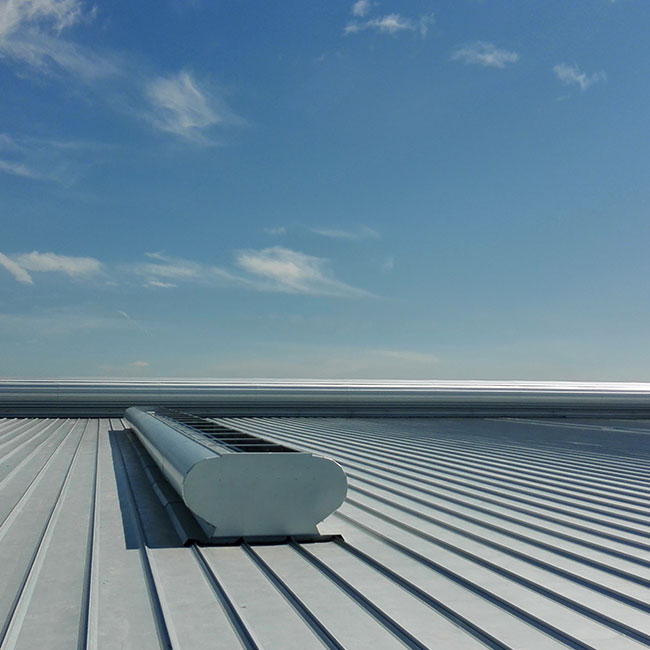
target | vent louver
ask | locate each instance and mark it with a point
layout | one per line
(212, 433)
(240, 485)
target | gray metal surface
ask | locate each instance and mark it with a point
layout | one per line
(463, 533)
(267, 397)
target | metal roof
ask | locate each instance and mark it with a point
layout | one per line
(457, 533)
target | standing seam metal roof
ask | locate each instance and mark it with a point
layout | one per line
(456, 533)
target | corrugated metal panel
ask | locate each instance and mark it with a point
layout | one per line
(456, 534)
(267, 397)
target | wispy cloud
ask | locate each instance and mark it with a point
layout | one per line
(289, 271)
(388, 265)
(277, 230)
(170, 268)
(15, 269)
(484, 54)
(21, 264)
(571, 75)
(57, 14)
(335, 233)
(132, 369)
(180, 106)
(274, 269)
(361, 7)
(391, 23)
(409, 356)
(31, 33)
(333, 363)
(160, 284)
(47, 159)
(51, 54)
(51, 262)
(61, 321)
(139, 364)
(18, 169)
(166, 272)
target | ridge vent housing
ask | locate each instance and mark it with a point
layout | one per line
(237, 484)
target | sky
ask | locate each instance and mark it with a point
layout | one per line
(371, 189)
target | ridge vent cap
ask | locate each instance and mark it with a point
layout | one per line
(241, 494)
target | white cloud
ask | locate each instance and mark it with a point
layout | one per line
(293, 272)
(15, 150)
(388, 265)
(424, 22)
(58, 14)
(484, 54)
(278, 230)
(132, 369)
(165, 268)
(176, 271)
(17, 271)
(49, 53)
(360, 8)
(63, 321)
(18, 169)
(570, 75)
(46, 159)
(361, 233)
(274, 269)
(270, 269)
(180, 106)
(24, 159)
(51, 262)
(20, 265)
(30, 32)
(409, 356)
(388, 24)
(160, 285)
(305, 362)
(31, 35)
(166, 272)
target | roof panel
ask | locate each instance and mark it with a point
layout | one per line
(194, 616)
(41, 619)
(456, 533)
(121, 611)
(271, 619)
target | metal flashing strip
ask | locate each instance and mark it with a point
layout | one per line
(329, 398)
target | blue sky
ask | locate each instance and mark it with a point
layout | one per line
(325, 189)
